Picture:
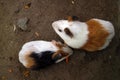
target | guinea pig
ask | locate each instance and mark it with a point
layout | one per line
(92, 35)
(39, 54)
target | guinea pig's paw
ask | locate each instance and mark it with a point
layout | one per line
(60, 52)
(56, 54)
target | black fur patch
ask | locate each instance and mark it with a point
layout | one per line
(74, 18)
(68, 32)
(43, 60)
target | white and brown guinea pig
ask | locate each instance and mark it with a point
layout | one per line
(93, 35)
(39, 54)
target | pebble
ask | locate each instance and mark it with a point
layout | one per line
(17, 10)
(22, 23)
(73, 2)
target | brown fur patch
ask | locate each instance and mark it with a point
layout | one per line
(68, 32)
(69, 18)
(29, 60)
(57, 44)
(97, 36)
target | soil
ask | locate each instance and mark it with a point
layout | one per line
(101, 65)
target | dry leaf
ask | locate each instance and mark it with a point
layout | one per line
(26, 73)
(3, 77)
(27, 6)
(10, 70)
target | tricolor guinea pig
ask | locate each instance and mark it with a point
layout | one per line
(93, 35)
(39, 54)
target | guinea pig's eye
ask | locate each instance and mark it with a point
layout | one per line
(59, 30)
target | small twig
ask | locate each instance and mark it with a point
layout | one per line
(14, 27)
(37, 34)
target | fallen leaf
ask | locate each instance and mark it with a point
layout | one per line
(3, 77)
(27, 6)
(26, 73)
(10, 70)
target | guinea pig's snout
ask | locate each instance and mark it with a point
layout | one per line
(54, 24)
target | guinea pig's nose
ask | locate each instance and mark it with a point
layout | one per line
(54, 24)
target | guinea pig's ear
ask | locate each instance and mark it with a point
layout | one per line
(72, 18)
(68, 32)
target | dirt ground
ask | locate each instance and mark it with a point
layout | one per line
(102, 65)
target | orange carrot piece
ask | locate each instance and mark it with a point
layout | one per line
(67, 59)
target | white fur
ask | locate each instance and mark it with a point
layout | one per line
(79, 30)
(109, 27)
(39, 46)
(35, 46)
